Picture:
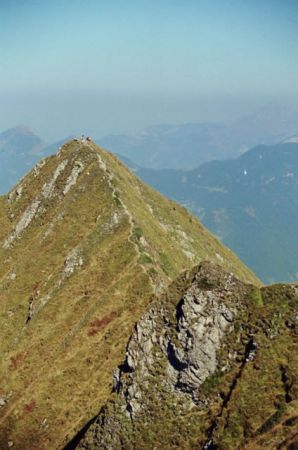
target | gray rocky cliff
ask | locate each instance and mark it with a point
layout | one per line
(206, 368)
(178, 344)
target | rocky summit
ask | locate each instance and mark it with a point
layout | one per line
(212, 364)
(85, 248)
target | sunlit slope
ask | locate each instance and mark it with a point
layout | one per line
(83, 246)
(211, 365)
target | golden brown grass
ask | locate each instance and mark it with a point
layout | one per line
(57, 369)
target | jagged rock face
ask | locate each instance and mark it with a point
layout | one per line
(201, 318)
(84, 246)
(205, 368)
(202, 324)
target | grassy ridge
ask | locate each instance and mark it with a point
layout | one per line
(75, 280)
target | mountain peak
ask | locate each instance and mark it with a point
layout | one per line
(23, 129)
(19, 130)
(84, 245)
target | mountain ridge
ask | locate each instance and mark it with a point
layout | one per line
(171, 146)
(85, 245)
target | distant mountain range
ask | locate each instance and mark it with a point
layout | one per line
(189, 145)
(20, 149)
(170, 146)
(250, 202)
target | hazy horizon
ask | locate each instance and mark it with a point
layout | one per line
(105, 67)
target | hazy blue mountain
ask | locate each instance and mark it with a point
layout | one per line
(20, 149)
(270, 124)
(250, 203)
(189, 145)
(171, 145)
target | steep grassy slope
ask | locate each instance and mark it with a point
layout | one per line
(84, 245)
(213, 365)
(250, 202)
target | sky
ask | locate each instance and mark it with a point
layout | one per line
(110, 66)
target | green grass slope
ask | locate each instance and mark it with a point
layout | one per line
(83, 247)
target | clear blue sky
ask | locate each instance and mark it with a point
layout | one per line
(111, 65)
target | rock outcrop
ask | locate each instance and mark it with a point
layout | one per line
(197, 372)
